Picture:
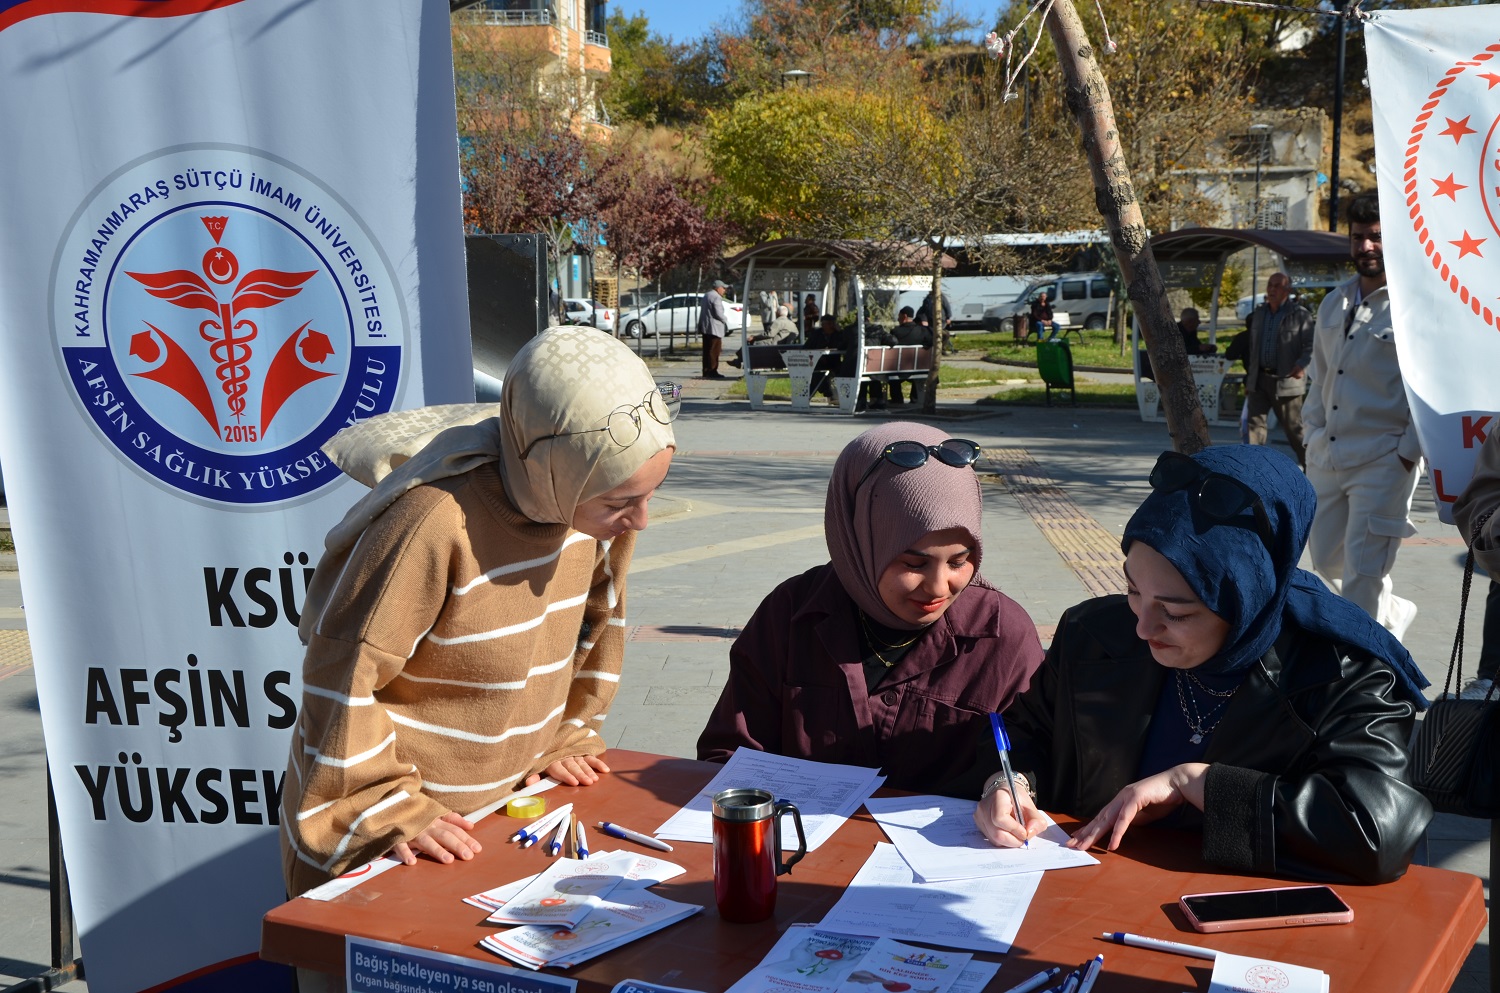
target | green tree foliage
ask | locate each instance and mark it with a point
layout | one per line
(655, 80)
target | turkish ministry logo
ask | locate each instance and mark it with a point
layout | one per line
(220, 314)
(1451, 182)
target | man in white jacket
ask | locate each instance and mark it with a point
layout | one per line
(1362, 449)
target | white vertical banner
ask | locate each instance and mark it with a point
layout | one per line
(1435, 82)
(228, 228)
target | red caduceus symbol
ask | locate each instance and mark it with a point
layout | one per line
(229, 335)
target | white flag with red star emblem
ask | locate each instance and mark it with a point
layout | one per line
(1435, 83)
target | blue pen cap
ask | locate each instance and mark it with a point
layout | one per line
(1002, 740)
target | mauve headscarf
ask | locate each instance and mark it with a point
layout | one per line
(1253, 588)
(868, 528)
(565, 380)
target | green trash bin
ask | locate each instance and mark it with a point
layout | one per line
(1054, 360)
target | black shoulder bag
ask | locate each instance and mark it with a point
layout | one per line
(1456, 746)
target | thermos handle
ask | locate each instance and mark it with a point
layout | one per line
(787, 807)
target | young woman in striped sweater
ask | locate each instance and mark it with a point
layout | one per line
(465, 627)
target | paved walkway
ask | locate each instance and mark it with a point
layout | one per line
(741, 511)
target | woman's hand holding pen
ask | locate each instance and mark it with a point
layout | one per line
(444, 838)
(575, 770)
(996, 818)
(1143, 802)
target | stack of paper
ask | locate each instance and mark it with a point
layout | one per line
(566, 892)
(826, 795)
(576, 910)
(885, 899)
(1245, 974)
(810, 959)
(648, 871)
(937, 837)
(624, 917)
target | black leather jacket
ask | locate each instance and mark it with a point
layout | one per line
(1308, 768)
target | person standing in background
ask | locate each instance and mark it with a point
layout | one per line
(713, 325)
(810, 314)
(1362, 448)
(1280, 348)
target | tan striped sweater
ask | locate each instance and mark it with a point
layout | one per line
(463, 648)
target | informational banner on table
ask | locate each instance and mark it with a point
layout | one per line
(228, 228)
(1435, 80)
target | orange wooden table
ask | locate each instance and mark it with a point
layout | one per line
(1410, 935)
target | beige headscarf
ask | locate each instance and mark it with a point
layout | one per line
(566, 381)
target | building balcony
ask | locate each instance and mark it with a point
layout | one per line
(596, 55)
(501, 18)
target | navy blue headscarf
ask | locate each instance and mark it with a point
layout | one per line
(1253, 588)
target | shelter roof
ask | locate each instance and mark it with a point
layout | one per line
(814, 253)
(1211, 244)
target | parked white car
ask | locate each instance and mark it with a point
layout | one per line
(580, 310)
(676, 314)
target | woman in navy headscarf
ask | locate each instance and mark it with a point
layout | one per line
(1228, 691)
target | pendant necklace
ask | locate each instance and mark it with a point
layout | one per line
(1187, 699)
(876, 642)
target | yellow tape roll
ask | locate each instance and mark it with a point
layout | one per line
(526, 806)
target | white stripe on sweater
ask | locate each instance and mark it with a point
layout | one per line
(513, 684)
(430, 787)
(338, 850)
(608, 677)
(482, 739)
(352, 760)
(506, 570)
(337, 697)
(468, 639)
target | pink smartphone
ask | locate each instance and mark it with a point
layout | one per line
(1281, 906)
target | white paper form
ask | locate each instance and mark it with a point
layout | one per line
(937, 837)
(826, 795)
(884, 900)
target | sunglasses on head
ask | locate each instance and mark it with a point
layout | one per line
(955, 452)
(624, 423)
(1221, 498)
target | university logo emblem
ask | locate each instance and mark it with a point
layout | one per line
(1451, 182)
(220, 315)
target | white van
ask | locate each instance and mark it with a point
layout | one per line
(1083, 296)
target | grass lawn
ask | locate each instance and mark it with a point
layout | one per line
(1098, 348)
(1089, 395)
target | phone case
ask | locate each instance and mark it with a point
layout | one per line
(1344, 916)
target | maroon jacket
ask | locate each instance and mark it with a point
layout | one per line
(797, 684)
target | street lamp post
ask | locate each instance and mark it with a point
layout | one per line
(1338, 120)
(1261, 133)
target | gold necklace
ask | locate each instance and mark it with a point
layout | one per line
(876, 641)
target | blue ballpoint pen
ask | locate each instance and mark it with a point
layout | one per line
(1002, 744)
(583, 842)
(1035, 982)
(1091, 973)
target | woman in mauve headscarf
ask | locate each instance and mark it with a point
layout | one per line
(465, 626)
(896, 652)
(1227, 691)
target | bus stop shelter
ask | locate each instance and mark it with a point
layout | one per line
(1197, 257)
(830, 271)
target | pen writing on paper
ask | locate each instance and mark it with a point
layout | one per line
(1002, 744)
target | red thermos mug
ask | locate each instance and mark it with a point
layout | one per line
(747, 852)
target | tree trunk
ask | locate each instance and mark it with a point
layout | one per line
(929, 395)
(1088, 98)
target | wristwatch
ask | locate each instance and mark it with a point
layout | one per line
(997, 781)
